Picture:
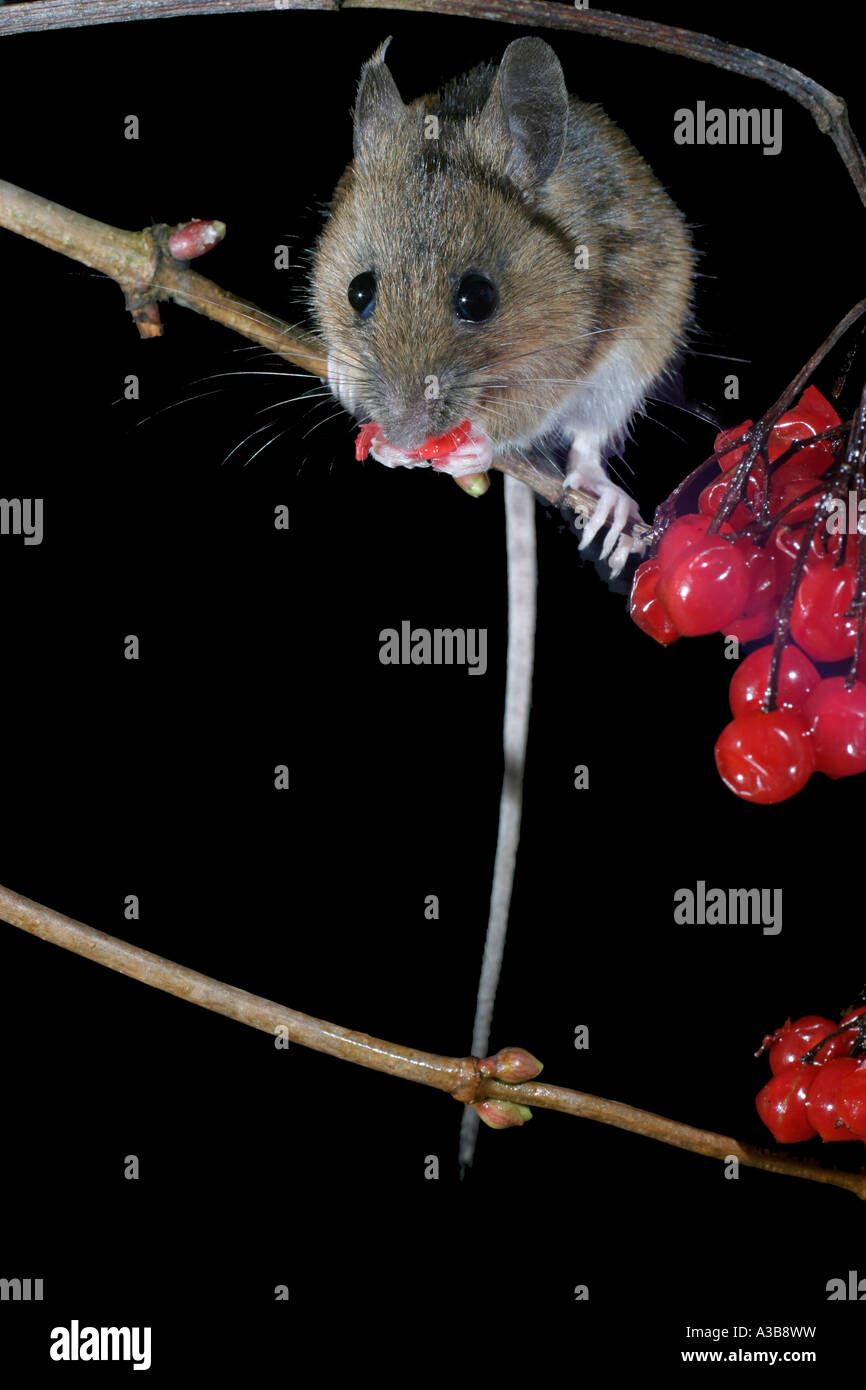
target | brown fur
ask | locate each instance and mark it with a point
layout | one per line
(421, 212)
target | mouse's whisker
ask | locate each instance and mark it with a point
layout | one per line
(252, 372)
(326, 420)
(704, 414)
(321, 393)
(247, 437)
(266, 444)
(186, 400)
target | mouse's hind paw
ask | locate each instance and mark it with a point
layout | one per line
(614, 508)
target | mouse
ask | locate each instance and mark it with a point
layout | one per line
(500, 268)
(500, 273)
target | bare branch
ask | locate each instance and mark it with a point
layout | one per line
(40, 15)
(827, 110)
(145, 270)
(458, 1076)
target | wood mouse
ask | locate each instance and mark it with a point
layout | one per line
(498, 254)
(500, 272)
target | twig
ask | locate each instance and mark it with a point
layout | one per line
(458, 1076)
(828, 111)
(40, 15)
(145, 270)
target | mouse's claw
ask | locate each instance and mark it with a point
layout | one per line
(623, 511)
(614, 509)
(598, 519)
(624, 548)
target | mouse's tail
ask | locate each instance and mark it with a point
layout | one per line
(522, 583)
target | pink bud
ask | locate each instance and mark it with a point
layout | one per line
(502, 1114)
(511, 1064)
(192, 239)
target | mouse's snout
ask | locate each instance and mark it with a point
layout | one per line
(407, 419)
(410, 416)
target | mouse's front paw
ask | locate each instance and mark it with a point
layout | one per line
(475, 455)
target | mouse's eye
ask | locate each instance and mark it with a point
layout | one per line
(476, 297)
(362, 293)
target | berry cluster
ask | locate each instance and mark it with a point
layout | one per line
(818, 1084)
(757, 558)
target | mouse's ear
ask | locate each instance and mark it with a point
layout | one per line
(379, 105)
(528, 109)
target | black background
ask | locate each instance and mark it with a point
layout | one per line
(259, 647)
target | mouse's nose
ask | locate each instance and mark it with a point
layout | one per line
(407, 419)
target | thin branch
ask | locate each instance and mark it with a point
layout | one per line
(446, 1074)
(458, 1076)
(827, 110)
(144, 270)
(40, 15)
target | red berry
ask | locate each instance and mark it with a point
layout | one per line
(782, 1104)
(792, 492)
(364, 438)
(828, 545)
(765, 758)
(645, 608)
(787, 432)
(714, 494)
(810, 416)
(836, 718)
(705, 588)
(851, 1036)
(732, 456)
(685, 534)
(788, 1044)
(784, 561)
(818, 621)
(851, 1101)
(751, 629)
(443, 444)
(803, 468)
(787, 543)
(797, 678)
(813, 414)
(816, 410)
(712, 498)
(783, 435)
(823, 1098)
(761, 567)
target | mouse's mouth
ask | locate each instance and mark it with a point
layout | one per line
(460, 451)
(443, 444)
